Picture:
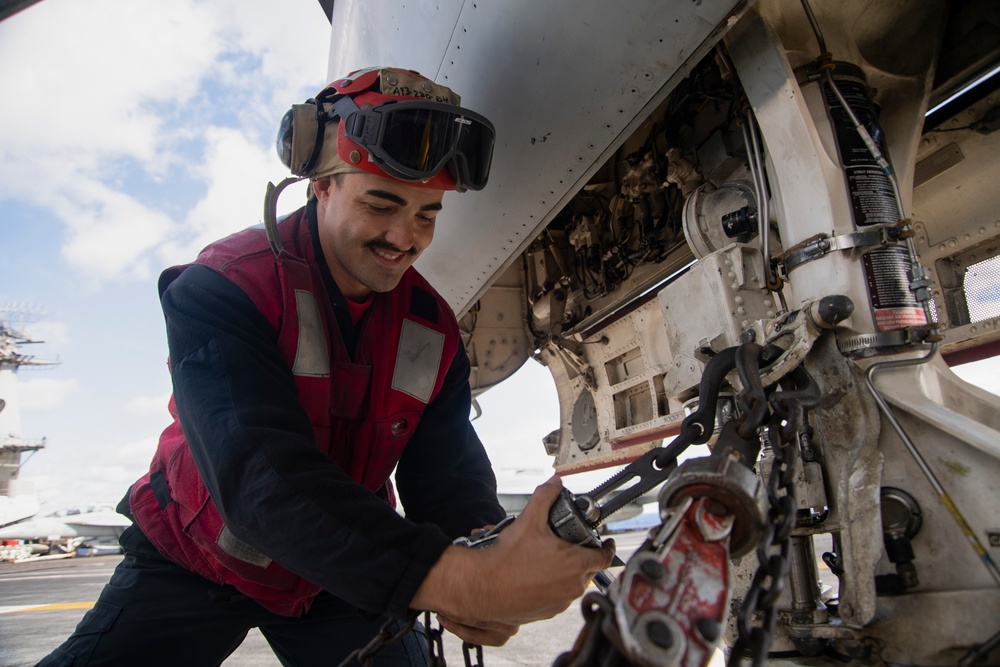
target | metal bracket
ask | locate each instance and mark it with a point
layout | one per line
(897, 338)
(818, 247)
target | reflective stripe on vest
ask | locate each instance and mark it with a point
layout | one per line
(312, 354)
(417, 360)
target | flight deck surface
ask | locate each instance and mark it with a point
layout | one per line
(42, 601)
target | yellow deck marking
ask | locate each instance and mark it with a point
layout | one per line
(58, 606)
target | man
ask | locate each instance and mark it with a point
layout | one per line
(308, 358)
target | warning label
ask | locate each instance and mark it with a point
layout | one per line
(889, 319)
(893, 304)
(871, 196)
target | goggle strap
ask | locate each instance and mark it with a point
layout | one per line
(317, 145)
(342, 108)
(271, 212)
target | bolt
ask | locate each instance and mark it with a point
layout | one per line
(835, 308)
(652, 569)
(659, 633)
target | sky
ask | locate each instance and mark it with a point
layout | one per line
(132, 133)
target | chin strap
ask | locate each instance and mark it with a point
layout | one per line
(271, 212)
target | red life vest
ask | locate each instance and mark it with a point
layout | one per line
(363, 410)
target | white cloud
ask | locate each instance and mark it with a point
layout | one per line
(108, 232)
(143, 406)
(138, 451)
(284, 36)
(89, 75)
(45, 394)
(114, 96)
(108, 473)
(65, 477)
(236, 171)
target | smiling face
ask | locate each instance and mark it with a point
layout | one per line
(372, 229)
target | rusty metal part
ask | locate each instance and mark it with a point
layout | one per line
(668, 606)
(672, 601)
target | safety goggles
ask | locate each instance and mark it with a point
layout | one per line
(414, 140)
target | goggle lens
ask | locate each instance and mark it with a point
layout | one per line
(425, 140)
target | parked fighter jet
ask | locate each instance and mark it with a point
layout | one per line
(69, 526)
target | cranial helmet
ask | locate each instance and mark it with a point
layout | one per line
(393, 123)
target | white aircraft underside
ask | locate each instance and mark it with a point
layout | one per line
(17, 508)
(628, 133)
(55, 528)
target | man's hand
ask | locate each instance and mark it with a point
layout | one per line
(527, 574)
(484, 634)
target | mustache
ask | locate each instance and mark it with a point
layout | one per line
(388, 247)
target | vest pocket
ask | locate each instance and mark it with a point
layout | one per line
(239, 549)
(231, 554)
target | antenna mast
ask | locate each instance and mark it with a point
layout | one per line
(12, 338)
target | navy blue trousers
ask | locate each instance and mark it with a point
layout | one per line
(153, 612)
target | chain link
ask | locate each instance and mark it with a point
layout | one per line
(435, 643)
(756, 619)
(364, 655)
(435, 647)
(468, 649)
(758, 614)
